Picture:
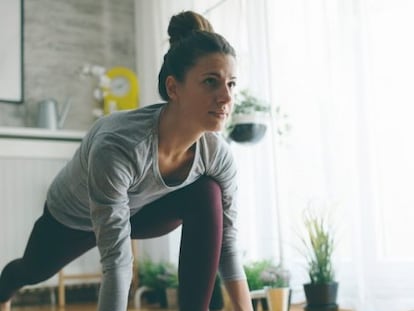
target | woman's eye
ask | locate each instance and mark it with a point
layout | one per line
(232, 84)
(210, 81)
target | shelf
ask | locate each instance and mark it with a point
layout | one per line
(42, 134)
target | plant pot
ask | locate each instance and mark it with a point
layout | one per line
(260, 304)
(248, 128)
(278, 299)
(162, 297)
(151, 296)
(172, 297)
(321, 297)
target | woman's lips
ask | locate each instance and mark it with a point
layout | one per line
(219, 114)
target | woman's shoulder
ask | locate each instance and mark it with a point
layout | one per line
(215, 148)
(132, 125)
(215, 140)
(218, 157)
(140, 118)
(125, 132)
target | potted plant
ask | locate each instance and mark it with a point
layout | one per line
(273, 280)
(161, 279)
(169, 281)
(276, 280)
(321, 291)
(249, 119)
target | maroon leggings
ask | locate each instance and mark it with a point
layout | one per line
(197, 207)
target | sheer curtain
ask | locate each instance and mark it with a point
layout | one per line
(342, 71)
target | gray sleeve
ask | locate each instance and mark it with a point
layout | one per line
(223, 170)
(109, 175)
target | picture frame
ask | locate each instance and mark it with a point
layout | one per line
(11, 51)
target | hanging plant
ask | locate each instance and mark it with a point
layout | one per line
(251, 117)
(249, 120)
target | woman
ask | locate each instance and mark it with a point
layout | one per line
(141, 174)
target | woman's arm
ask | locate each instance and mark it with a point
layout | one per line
(239, 295)
(110, 172)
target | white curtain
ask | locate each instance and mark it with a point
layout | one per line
(343, 72)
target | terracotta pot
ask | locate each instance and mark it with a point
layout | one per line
(278, 299)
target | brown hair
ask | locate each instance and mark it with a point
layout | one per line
(191, 37)
(184, 23)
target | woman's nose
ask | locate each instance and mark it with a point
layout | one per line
(226, 95)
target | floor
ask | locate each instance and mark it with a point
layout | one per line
(92, 307)
(83, 307)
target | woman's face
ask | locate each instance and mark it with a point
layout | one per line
(205, 97)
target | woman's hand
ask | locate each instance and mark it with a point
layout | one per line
(5, 306)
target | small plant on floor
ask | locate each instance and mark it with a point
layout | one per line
(158, 276)
(265, 273)
(319, 245)
(275, 276)
(321, 291)
(253, 272)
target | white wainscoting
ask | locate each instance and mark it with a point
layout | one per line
(27, 166)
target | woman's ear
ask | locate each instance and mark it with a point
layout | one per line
(171, 87)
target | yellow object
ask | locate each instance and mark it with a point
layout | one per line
(122, 93)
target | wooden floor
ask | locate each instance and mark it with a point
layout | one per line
(92, 307)
(83, 307)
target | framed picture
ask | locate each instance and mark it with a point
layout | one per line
(11, 51)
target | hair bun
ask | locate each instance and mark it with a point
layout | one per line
(184, 23)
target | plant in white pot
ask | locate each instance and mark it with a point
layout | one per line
(249, 119)
(321, 291)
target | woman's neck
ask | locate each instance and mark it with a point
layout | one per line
(176, 147)
(175, 137)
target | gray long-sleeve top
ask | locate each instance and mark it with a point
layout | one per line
(114, 173)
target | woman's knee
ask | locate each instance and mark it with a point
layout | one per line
(206, 194)
(34, 275)
(17, 274)
(207, 187)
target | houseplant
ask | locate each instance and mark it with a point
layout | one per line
(162, 280)
(276, 280)
(273, 279)
(249, 118)
(319, 243)
(159, 284)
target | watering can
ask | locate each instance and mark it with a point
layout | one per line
(50, 116)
